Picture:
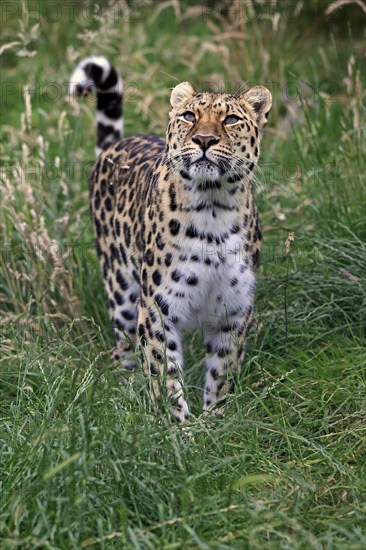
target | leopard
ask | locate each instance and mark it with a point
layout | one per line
(177, 231)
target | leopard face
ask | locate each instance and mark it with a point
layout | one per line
(216, 136)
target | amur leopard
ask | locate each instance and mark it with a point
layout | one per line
(177, 229)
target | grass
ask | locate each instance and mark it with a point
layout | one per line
(84, 461)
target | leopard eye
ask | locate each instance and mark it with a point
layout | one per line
(231, 119)
(189, 116)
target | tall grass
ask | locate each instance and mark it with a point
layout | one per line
(84, 460)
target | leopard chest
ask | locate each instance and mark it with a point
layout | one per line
(198, 255)
(207, 279)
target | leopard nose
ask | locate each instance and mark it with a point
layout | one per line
(205, 141)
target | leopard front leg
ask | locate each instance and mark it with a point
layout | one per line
(123, 314)
(161, 344)
(225, 343)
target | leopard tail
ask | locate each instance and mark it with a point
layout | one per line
(96, 73)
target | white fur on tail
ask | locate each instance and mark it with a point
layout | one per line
(96, 73)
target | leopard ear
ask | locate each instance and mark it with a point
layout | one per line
(182, 93)
(259, 100)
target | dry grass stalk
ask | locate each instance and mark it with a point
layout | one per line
(334, 6)
(288, 244)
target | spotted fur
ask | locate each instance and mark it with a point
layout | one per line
(178, 238)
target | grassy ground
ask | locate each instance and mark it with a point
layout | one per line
(83, 460)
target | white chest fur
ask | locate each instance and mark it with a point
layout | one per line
(209, 282)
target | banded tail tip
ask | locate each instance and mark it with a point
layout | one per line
(90, 74)
(96, 73)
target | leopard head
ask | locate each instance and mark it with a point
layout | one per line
(216, 136)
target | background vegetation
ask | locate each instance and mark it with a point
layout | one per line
(83, 460)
